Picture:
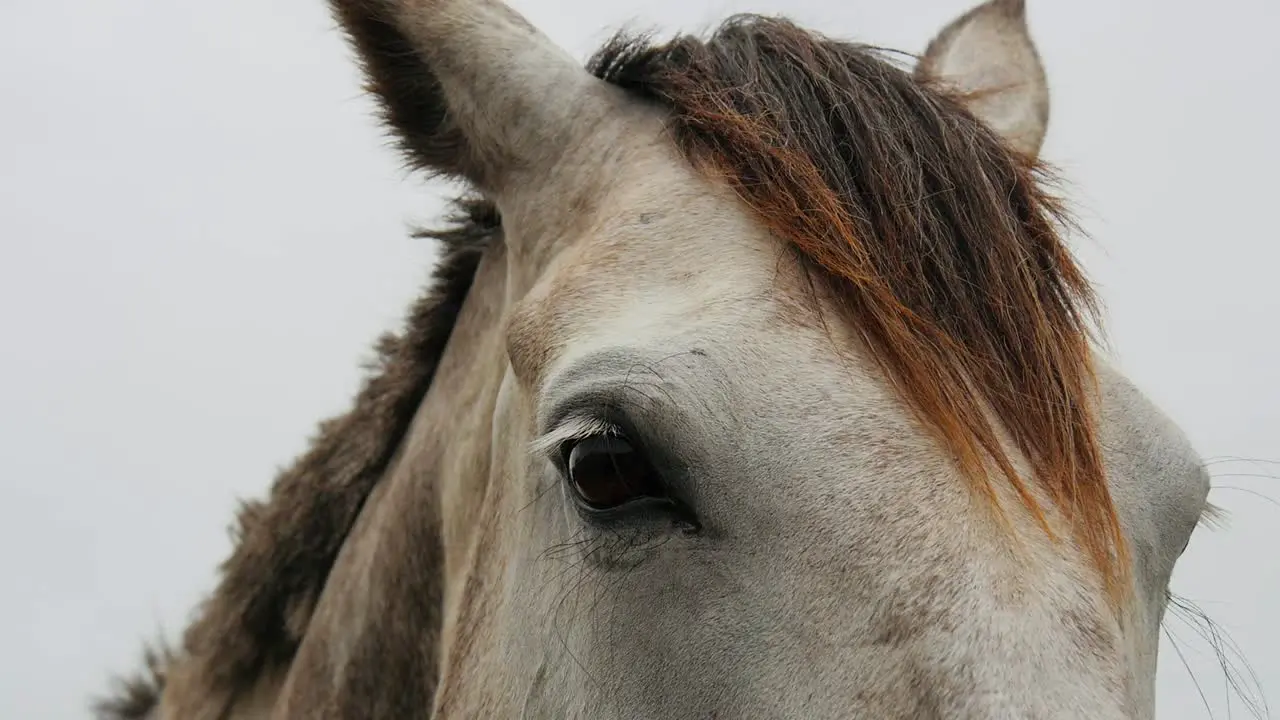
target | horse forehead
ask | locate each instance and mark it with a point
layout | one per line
(665, 251)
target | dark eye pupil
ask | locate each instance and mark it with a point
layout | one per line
(607, 472)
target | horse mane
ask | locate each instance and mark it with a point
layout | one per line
(136, 696)
(940, 243)
(286, 545)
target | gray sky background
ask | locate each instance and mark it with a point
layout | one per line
(202, 231)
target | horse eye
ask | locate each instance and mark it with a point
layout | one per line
(606, 471)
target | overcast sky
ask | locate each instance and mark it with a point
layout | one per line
(202, 231)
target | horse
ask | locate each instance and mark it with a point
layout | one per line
(757, 379)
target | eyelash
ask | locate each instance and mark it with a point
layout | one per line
(644, 489)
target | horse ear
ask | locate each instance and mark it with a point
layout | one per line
(469, 87)
(987, 54)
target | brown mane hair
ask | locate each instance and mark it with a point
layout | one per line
(940, 242)
(286, 545)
